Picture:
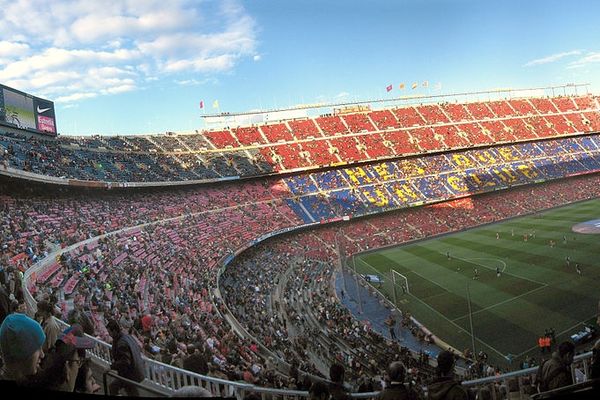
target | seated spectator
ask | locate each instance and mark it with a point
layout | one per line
(336, 387)
(61, 368)
(556, 371)
(21, 341)
(444, 387)
(396, 389)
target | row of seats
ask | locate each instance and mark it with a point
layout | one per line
(387, 185)
(297, 144)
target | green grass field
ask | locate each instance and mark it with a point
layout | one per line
(536, 290)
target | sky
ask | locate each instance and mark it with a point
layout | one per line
(143, 66)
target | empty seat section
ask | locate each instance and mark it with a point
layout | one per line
(248, 135)
(290, 156)
(319, 152)
(221, 139)
(522, 107)
(544, 106)
(428, 140)
(358, 122)
(456, 111)
(498, 131)
(277, 132)
(400, 141)
(384, 119)
(374, 145)
(559, 123)
(347, 149)
(408, 117)
(520, 131)
(479, 110)
(585, 103)
(474, 134)
(501, 108)
(541, 126)
(450, 136)
(331, 125)
(433, 114)
(303, 129)
(577, 122)
(564, 103)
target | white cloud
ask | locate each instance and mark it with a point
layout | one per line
(552, 58)
(77, 49)
(589, 58)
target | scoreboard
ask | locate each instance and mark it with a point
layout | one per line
(24, 111)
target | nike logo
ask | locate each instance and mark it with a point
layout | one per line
(41, 110)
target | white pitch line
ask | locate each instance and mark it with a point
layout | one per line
(503, 302)
(559, 333)
(442, 315)
(507, 273)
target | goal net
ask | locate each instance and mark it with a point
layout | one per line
(399, 280)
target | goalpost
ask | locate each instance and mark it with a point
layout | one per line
(402, 279)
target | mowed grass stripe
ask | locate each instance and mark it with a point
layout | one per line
(512, 309)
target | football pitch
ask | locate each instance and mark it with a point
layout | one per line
(537, 287)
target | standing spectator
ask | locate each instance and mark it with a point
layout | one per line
(318, 391)
(127, 360)
(336, 387)
(5, 303)
(444, 387)
(21, 341)
(50, 326)
(397, 390)
(556, 371)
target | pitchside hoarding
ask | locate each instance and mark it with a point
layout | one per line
(24, 111)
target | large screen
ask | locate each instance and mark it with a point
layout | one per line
(25, 111)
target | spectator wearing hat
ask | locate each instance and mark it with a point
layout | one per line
(21, 341)
(127, 360)
(61, 367)
(444, 386)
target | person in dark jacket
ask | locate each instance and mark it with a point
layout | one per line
(444, 386)
(126, 360)
(336, 387)
(556, 372)
(396, 389)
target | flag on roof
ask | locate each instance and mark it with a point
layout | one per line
(425, 83)
(402, 86)
(389, 88)
(415, 85)
(201, 103)
(216, 104)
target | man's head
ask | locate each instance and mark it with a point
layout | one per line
(445, 362)
(336, 373)
(566, 352)
(396, 371)
(113, 328)
(318, 391)
(21, 341)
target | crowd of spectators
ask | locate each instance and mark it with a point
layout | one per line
(324, 141)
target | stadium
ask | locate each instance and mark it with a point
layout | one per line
(418, 243)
